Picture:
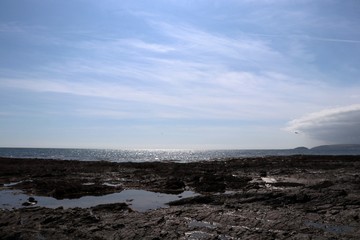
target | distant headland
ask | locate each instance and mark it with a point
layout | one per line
(331, 147)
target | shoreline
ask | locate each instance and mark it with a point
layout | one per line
(281, 197)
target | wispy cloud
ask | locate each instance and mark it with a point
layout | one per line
(338, 40)
(4, 114)
(14, 27)
(10, 28)
(148, 46)
(218, 95)
(210, 44)
(33, 31)
(304, 37)
(190, 73)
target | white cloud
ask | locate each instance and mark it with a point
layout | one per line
(326, 39)
(14, 27)
(335, 125)
(10, 28)
(201, 43)
(148, 46)
(197, 93)
(4, 114)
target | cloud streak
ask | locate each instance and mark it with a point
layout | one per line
(326, 39)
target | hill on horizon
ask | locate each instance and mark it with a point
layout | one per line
(337, 147)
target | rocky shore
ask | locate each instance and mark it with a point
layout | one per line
(292, 197)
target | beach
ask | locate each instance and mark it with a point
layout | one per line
(282, 197)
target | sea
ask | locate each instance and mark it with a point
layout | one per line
(151, 155)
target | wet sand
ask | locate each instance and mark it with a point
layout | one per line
(294, 197)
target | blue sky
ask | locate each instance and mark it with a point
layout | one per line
(179, 74)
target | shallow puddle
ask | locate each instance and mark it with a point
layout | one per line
(201, 224)
(269, 179)
(138, 200)
(339, 229)
(197, 235)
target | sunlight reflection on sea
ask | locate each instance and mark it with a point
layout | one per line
(150, 155)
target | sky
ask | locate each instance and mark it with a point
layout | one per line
(179, 74)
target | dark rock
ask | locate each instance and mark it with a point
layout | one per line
(112, 207)
(237, 182)
(249, 209)
(286, 184)
(31, 202)
(210, 183)
(173, 186)
(263, 173)
(322, 185)
(26, 204)
(193, 200)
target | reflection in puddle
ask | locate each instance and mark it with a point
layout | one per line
(112, 185)
(15, 183)
(269, 179)
(138, 200)
(88, 184)
(201, 224)
(196, 235)
(339, 229)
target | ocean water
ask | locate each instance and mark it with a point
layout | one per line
(160, 155)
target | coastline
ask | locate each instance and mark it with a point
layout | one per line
(280, 197)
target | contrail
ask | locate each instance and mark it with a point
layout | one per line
(306, 37)
(333, 40)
